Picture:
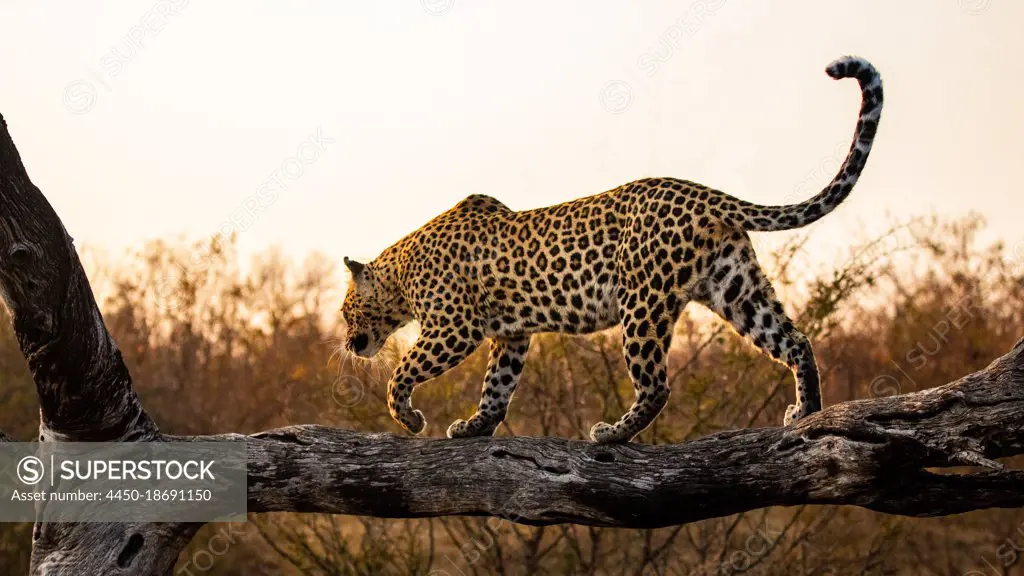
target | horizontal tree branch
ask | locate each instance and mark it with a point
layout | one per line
(880, 454)
(876, 454)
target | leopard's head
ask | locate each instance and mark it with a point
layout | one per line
(372, 309)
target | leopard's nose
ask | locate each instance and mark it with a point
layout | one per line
(360, 342)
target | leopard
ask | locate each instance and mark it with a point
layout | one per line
(632, 256)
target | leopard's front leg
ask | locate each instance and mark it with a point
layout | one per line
(504, 366)
(434, 353)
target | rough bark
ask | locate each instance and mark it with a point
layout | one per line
(872, 453)
(85, 391)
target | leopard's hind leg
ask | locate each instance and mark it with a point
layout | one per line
(736, 289)
(648, 319)
(655, 275)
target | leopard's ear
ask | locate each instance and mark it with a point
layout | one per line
(356, 268)
(362, 275)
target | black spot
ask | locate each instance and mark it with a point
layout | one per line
(683, 276)
(734, 289)
(643, 328)
(647, 349)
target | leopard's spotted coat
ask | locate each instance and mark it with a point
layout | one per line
(633, 256)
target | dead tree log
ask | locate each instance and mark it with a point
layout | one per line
(875, 454)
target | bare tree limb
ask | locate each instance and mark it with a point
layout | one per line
(84, 388)
(870, 453)
(876, 454)
(85, 391)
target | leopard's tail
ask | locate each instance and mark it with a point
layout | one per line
(757, 218)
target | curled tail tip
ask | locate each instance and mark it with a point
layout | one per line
(852, 67)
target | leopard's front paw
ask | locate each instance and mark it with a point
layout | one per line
(604, 433)
(792, 415)
(413, 421)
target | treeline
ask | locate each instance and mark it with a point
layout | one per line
(216, 346)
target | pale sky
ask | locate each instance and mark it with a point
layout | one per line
(407, 107)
